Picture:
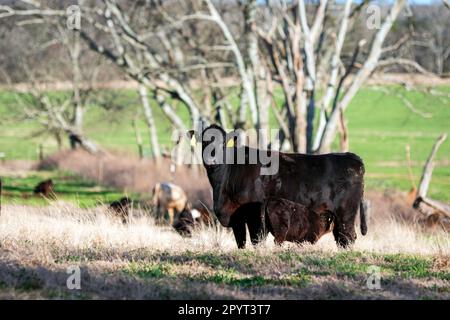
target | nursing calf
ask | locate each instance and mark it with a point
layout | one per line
(290, 221)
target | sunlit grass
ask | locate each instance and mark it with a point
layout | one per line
(144, 260)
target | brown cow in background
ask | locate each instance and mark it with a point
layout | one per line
(168, 198)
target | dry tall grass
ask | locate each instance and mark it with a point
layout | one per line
(38, 244)
(63, 226)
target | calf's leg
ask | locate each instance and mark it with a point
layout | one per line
(171, 215)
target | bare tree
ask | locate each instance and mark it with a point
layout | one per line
(170, 49)
(435, 211)
(52, 114)
(59, 115)
(329, 132)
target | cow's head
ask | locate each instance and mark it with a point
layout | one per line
(229, 190)
(213, 139)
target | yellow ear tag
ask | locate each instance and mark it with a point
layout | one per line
(230, 143)
(193, 141)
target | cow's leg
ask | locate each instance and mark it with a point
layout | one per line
(237, 223)
(159, 214)
(171, 215)
(239, 234)
(344, 226)
(255, 223)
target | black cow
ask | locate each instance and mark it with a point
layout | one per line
(121, 208)
(45, 188)
(191, 218)
(331, 183)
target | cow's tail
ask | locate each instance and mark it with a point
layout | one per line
(363, 217)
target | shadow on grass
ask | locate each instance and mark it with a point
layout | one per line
(339, 276)
(17, 281)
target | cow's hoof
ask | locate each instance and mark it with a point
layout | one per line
(344, 243)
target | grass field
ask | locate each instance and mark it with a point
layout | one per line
(40, 239)
(380, 127)
(145, 261)
(68, 187)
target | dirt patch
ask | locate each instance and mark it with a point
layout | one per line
(18, 167)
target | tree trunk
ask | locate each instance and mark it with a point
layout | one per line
(332, 82)
(371, 62)
(425, 205)
(258, 74)
(247, 81)
(150, 122)
(78, 104)
(300, 115)
(168, 111)
(138, 139)
(310, 112)
(343, 133)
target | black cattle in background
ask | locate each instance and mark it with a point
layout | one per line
(121, 208)
(191, 218)
(45, 188)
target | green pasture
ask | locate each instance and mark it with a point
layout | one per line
(380, 127)
(68, 187)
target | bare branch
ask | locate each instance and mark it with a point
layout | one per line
(428, 168)
(405, 62)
